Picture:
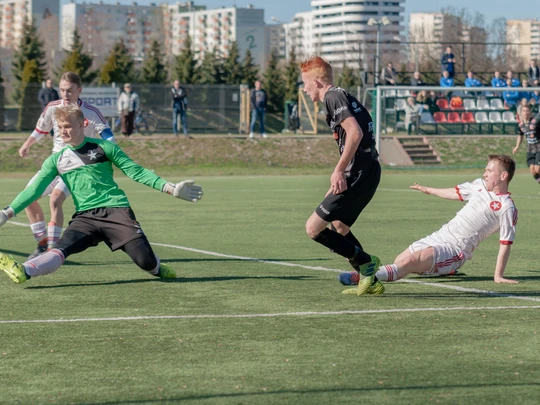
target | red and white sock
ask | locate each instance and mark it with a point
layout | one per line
(40, 232)
(53, 234)
(387, 273)
(46, 263)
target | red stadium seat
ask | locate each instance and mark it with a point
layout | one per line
(453, 117)
(442, 103)
(440, 117)
(467, 117)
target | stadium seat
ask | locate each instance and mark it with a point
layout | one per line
(427, 118)
(496, 104)
(482, 104)
(496, 120)
(454, 118)
(469, 104)
(404, 93)
(400, 104)
(467, 117)
(442, 103)
(481, 117)
(508, 117)
(389, 93)
(440, 117)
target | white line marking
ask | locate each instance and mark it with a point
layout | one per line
(323, 313)
(318, 268)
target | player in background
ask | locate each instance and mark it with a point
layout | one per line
(489, 209)
(103, 212)
(95, 124)
(529, 127)
(356, 175)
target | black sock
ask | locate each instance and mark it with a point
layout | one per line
(342, 246)
(536, 177)
(351, 238)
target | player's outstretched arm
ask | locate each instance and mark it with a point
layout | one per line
(502, 260)
(185, 190)
(446, 193)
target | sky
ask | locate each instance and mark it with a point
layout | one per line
(284, 10)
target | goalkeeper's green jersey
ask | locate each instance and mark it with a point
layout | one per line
(88, 173)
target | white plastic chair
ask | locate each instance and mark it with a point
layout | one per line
(496, 104)
(495, 117)
(390, 93)
(482, 104)
(481, 117)
(404, 93)
(400, 104)
(469, 104)
(508, 117)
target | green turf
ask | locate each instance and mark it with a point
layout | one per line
(476, 355)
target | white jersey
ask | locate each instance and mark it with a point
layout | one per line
(94, 123)
(484, 214)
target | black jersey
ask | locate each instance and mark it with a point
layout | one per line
(531, 131)
(340, 105)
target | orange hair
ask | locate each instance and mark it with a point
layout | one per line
(320, 68)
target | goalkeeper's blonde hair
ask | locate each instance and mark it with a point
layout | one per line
(69, 110)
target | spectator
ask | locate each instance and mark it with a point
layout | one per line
(448, 61)
(47, 94)
(446, 80)
(180, 103)
(522, 103)
(259, 99)
(497, 80)
(432, 102)
(128, 105)
(416, 81)
(422, 100)
(389, 75)
(511, 97)
(533, 72)
(412, 115)
(471, 81)
(510, 76)
(525, 93)
(533, 104)
(535, 95)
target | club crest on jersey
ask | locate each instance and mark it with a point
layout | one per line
(495, 205)
(85, 122)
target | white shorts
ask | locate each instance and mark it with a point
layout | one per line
(446, 258)
(57, 183)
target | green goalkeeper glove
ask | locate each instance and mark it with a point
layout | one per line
(5, 214)
(186, 190)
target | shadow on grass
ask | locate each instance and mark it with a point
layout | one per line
(25, 254)
(174, 280)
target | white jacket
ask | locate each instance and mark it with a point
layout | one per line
(129, 102)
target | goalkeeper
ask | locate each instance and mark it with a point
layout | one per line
(103, 213)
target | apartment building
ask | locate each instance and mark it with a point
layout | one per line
(526, 34)
(275, 35)
(299, 35)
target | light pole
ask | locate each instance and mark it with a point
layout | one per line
(371, 22)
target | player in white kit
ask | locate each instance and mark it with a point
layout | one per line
(489, 209)
(95, 124)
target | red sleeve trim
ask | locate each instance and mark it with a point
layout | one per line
(41, 132)
(506, 242)
(459, 194)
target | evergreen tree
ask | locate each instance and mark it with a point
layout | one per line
(232, 70)
(153, 70)
(292, 71)
(77, 61)
(273, 78)
(29, 109)
(184, 67)
(30, 48)
(348, 78)
(119, 66)
(250, 70)
(209, 71)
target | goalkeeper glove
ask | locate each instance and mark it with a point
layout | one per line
(186, 190)
(5, 214)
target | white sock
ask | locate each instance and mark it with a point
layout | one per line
(53, 234)
(387, 273)
(155, 271)
(39, 230)
(46, 263)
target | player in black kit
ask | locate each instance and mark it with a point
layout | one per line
(354, 180)
(529, 127)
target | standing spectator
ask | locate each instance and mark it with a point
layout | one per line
(497, 80)
(128, 105)
(511, 97)
(412, 115)
(180, 103)
(448, 61)
(533, 72)
(416, 81)
(259, 99)
(389, 75)
(47, 94)
(510, 76)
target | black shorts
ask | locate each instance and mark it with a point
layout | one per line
(114, 226)
(347, 206)
(533, 158)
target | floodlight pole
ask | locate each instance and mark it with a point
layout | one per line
(377, 53)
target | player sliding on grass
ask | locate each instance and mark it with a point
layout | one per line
(489, 209)
(355, 177)
(103, 213)
(95, 123)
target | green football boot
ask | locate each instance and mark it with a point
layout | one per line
(13, 269)
(166, 271)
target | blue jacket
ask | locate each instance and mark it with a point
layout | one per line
(515, 82)
(500, 82)
(511, 98)
(446, 82)
(472, 82)
(525, 94)
(449, 66)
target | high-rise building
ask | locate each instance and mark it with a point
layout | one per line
(275, 40)
(526, 34)
(299, 35)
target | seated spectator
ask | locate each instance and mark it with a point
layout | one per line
(533, 71)
(510, 97)
(524, 93)
(471, 81)
(510, 76)
(412, 115)
(533, 104)
(389, 75)
(446, 80)
(416, 81)
(497, 80)
(421, 100)
(535, 95)
(432, 102)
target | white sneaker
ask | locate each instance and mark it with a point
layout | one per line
(251, 135)
(264, 135)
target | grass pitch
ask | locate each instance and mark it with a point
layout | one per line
(257, 315)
